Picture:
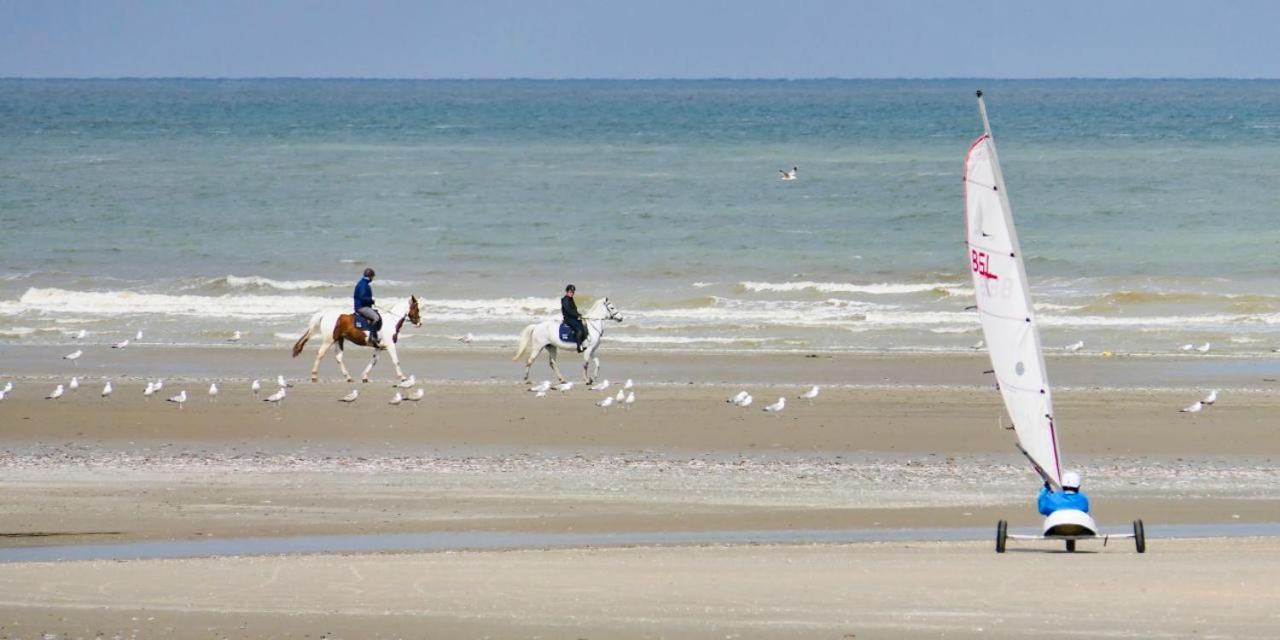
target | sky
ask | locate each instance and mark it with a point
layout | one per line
(640, 38)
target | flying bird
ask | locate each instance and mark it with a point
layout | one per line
(74, 355)
(811, 393)
(350, 397)
(607, 402)
(600, 386)
(55, 394)
(180, 398)
(1195, 407)
(777, 406)
(789, 175)
(1075, 346)
(120, 345)
(106, 389)
(1211, 398)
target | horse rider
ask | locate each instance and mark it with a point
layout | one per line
(1069, 498)
(571, 316)
(364, 307)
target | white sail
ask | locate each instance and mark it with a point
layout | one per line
(1004, 305)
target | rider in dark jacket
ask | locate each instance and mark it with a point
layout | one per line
(364, 306)
(571, 316)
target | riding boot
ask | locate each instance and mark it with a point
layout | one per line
(373, 340)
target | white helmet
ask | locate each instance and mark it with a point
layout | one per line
(1071, 480)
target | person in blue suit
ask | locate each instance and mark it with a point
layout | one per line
(364, 307)
(1069, 498)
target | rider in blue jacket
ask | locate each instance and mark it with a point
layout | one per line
(1069, 498)
(364, 306)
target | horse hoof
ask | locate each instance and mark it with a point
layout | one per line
(364, 380)
(315, 379)
(348, 380)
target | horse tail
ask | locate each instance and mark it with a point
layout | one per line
(313, 328)
(525, 337)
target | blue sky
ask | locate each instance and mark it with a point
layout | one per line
(640, 38)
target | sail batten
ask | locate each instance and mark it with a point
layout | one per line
(1004, 305)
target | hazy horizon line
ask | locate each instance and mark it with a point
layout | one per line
(659, 78)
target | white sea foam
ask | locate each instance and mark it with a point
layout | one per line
(284, 285)
(884, 288)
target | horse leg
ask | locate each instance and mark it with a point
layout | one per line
(551, 359)
(528, 364)
(341, 365)
(595, 360)
(395, 360)
(364, 377)
(315, 366)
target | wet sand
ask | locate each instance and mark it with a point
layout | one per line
(1183, 588)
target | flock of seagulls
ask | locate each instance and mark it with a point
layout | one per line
(744, 399)
(1199, 405)
(626, 395)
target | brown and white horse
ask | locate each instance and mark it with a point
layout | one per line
(339, 328)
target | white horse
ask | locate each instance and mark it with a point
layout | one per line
(338, 328)
(546, 335)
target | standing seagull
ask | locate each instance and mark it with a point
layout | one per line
(79, 335)
(106, 389)
(350, 397)
(8, 386)
(159, 384)
(120, 345)
(282, 383)
(1204, 348)
(628, 384)
(150, 391)
(416, 395)
(631, 399)
(746, 401)
(738, 397)
(213, 391)
(235, 337)
(75, 383)
(1075, 346)
(277, 396)
(811, 393)
(408, 382)
(74, 355)
(1194, 408)
(396, 399)
(622, 395)
(180, 399)
(541, 387)
(138, 335)
(606, 403)
(600, 386)
(1211, 398)
(777, 406)
(467, 339)
(564, 387)
(790, 175)
(255, 387)
(55, 394)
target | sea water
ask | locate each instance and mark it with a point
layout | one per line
(193, 208)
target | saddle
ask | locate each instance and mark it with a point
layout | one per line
(363, 324)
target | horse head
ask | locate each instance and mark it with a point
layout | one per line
(414, 314)
(613, 311)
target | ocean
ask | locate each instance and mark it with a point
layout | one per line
(192, 208)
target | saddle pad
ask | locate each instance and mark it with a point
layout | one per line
(566, 333)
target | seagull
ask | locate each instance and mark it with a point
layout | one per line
(151, 390)
(1211, 398)
(79, 335)
(622, 395)
(745, 402)
(564, 386)
(1075, 346)
(277, 396)
(396, 399)
(607, 402)
(138, 335)
(408, 382)
(467, 339)
(600, 386)
(106, 389)
(777, 406)
(541, 387)
(540, 394)
(180, 398)
(979, 344)
(416, 395)
(75, 383)
(628, 384)
(255, 387)
(159, 384)
(213, 391)
(789, 175)
(1194, 408)
(2, 392)
(631, 399)
(1188, 346)
(235, 337)
(1204, 348)
(350, 397)
(282, 383)
(55, 394)
(120, 345)
(811, 393)
(74, 355)
(737, 397)
(8, 386)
